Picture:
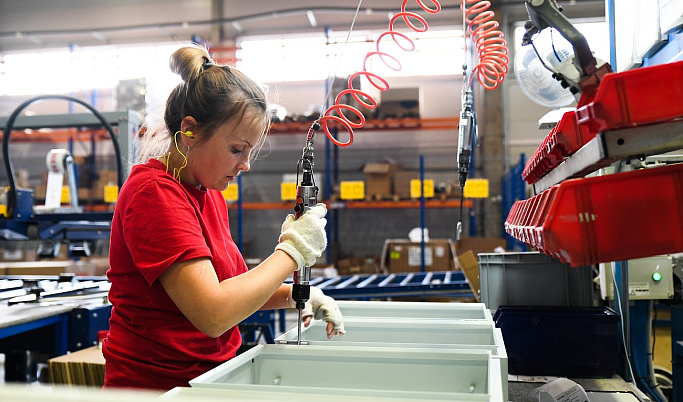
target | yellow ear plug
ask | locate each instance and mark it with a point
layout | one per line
(189, 133)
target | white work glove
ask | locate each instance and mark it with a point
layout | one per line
(323, 307)
(304, 239)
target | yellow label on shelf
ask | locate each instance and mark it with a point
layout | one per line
(232, 193)
(352, 190)
(416, 188)
(65, 195)
(476, 188)
(287, 191)
(111, 193)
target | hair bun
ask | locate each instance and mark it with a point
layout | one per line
(189, 62)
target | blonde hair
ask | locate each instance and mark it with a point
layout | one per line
(211, 93)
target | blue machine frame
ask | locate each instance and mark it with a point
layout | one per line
(61, 226)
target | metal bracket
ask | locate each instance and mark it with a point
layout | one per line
(610, 146)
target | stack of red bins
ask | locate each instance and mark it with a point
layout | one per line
(563, 140)
(527, 218)
(626, 99)
(608, 218)
(614, 217)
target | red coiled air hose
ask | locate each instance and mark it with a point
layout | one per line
(489, 42)
(375, 80)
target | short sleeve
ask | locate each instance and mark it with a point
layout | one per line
(161, 227)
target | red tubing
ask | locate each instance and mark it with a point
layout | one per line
(367, 101)
(489, 41)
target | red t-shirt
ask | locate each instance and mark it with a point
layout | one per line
(157, 222)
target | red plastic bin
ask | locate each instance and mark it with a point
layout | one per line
(608, 218)
(564, 140)
(626, 99)
(546, 198)
(635, 97)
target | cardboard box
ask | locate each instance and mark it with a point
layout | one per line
(470, 268)
(402, 182)
(379, 179)
(479, 245)
(39, 192)
(12, 255)
(51, 267)
(399, 103)
(106, 177)
(357, 265)
(83, 195)
(402, 255)
(84, 367)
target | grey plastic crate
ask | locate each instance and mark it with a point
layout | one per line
(533, 279)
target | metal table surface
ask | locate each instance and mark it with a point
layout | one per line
(21, 318)
(19, 315)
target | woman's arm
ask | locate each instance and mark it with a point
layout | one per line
(282, 298)
(213, 307)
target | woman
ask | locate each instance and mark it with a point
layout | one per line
(179, 285)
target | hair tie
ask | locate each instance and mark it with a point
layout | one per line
(208, 63)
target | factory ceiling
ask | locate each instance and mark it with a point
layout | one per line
(39, 24)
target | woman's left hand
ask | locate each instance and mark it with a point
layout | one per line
(322, 307)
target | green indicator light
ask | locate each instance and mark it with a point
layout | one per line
(656, 277)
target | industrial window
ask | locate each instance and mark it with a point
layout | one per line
(71, 71)
(437, 52)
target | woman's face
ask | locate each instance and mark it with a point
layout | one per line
(216, 162)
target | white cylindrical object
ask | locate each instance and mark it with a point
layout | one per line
(56, 160)
(59, 162)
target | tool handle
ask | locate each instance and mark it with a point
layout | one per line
(306, 197)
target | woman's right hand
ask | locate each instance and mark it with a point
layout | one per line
(304, 239)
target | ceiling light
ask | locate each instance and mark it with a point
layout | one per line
(311, 18)
(98, 36)
(30, 38)
(237, 26)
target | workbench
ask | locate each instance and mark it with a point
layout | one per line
(33, 332)
(22, 318)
